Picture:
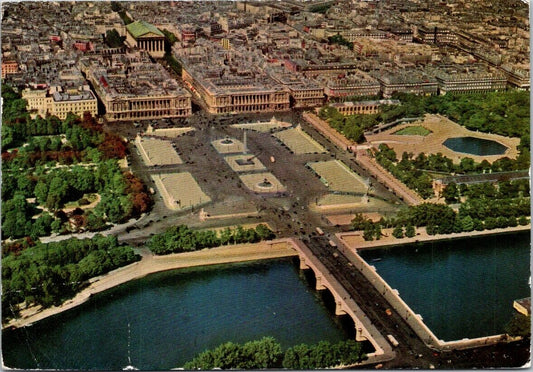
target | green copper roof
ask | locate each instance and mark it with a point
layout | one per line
(140, 28)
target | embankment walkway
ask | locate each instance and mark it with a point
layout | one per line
(354, 239)
(152, 264)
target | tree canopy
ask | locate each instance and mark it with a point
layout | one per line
(183, 239)
(47, 274)
(267, 353)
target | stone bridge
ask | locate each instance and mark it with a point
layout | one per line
(344, 304)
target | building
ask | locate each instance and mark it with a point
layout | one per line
(344, 85)
(413, 81)
(518, 78)
(188, 34)
(133, 88)
(230, 81)
(9, 67)
(362, 107)
(236, 95)
(60, 102)
(146, 36)
(303, 92)
(434, 36)
(469, 79)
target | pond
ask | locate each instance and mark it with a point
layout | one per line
(475, 146)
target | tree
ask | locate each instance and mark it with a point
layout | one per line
(410, 231)
(264, 232)
(262, 354)
(467, 165)
(398, 232)
(113, 39)
(451, 193)
(519, 325)
(360, 222)
(42, 226)
(467, 224)
(368, 233)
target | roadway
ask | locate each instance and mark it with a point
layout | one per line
(411, 351)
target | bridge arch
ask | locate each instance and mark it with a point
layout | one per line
(341, 308)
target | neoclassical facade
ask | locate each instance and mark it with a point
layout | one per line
(147, 37)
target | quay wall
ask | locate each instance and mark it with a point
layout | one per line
(415, 321)
(424, 237)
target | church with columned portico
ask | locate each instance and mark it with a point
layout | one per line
(146, 36)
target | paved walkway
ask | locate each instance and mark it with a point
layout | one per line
(399, 188)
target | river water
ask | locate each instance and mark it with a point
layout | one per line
(462, 288)
(175, 315)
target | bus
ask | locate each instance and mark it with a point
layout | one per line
(319, 231)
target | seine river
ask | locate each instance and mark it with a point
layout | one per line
(175, 315)
(462, 288)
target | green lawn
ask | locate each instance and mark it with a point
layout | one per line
(413, 131)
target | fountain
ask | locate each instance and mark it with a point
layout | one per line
(266, 184)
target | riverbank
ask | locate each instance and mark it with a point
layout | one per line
(355, 240)
(152, 264)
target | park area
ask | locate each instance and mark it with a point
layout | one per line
(415, 130)
(299, 142)
(180, 191)
(157, 152)
(408, 138)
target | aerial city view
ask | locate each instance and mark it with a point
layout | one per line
(265, 184)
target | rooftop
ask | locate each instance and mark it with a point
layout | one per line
(141, 28)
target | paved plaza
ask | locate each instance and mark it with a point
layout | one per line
(339, 177)
(228, 146)
(157, 152)
(264, 182)
(244, 163)
(180, 191)
(299, 142)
